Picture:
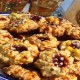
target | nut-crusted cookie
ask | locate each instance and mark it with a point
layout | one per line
(21, 73)
(4, 21)
(54, 62)
(44, 41)
(5, 37)
(20, 23)
(73, 46)
(18, 53)
(53, 25)
(76, 68)
(66, 77)
(73, 32)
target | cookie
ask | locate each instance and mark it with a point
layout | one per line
(43, 41)
(54, 62)
(4, 21)
(76, 68)
(20, 23)
(21, 73)
(73, 32)
(5, 37)
(66, 77)
(73, 46)
(52, 25)
(18, 53)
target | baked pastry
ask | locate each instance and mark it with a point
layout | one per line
(73, 46)
(76, 68)
(52, 25)
(66, 77)
(5, 37)
(20, 23)
(54, 62)
(4, 21)
(18, 53)
(21, 73)
(73, 32)
(43, 41)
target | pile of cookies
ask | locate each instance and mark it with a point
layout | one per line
(39, 48)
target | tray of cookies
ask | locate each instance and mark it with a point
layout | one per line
(38, 48)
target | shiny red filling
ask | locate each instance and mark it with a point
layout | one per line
(20, 48)
(60, 60)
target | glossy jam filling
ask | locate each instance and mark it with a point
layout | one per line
(60, 60)
(75, 45)
(35, 18)
(20, 48)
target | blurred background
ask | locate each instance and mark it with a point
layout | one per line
(40, 7)
(69, 9)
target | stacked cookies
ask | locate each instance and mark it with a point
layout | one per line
(37, 48)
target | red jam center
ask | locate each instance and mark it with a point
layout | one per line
(60, 60)
(75, 45)
(20, 48)
(35, 18)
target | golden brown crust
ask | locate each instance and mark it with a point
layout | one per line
(66, 77)
(18, 53)
(4, 21)
(21, 23)
(76, 68)
(52, 25)
(44, 41)
(21, 73)
(73, 32)
(5, 37)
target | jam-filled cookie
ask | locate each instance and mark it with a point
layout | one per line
(21, 73)
(44, 41)
(5, 37)
(20, 23)
(54, 62)
(55, 26)
(4, 21)
(73, 46)
(18, 53)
